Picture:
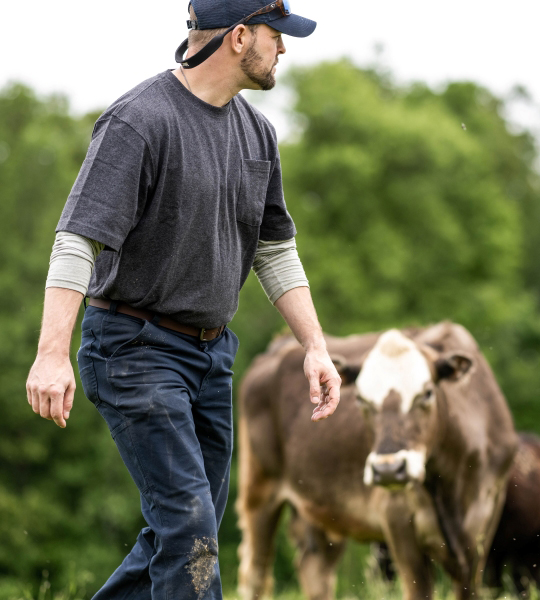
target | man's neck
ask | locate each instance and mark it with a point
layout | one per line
(210, 85)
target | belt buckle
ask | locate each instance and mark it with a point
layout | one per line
(202, 334)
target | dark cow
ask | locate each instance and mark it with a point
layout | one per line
(432, 429)
(516, 544)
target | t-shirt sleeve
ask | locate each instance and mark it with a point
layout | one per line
(277, 223)
(110, 192)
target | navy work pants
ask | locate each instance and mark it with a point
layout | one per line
(166, 398)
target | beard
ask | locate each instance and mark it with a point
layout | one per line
(251, 66)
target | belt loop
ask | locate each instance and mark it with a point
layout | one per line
(155, 319)
(85, 303)
(113, 307)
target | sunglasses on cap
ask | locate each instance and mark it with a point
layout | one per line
(283, 5)
(215, 43)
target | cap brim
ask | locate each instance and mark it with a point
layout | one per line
(294, 25)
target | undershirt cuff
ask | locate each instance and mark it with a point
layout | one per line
(72, 261)
(278, 268)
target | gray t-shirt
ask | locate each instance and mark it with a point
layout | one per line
(180, 192)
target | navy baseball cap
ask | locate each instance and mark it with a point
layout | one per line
(215, 14)
(218, 14)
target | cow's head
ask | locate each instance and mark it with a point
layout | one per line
(397, 387)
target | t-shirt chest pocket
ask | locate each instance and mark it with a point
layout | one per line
(253, 188)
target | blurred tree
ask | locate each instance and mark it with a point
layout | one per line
(413, 206)
(65, 502)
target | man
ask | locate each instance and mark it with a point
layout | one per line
(179, 196)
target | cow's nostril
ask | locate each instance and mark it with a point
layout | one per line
(401, 471)
(390, 472)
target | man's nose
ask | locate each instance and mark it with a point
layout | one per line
(281, 47)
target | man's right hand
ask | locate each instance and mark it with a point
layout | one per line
(50, 387)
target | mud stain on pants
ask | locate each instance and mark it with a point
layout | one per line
(202, 562)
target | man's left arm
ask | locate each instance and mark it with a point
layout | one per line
(282, 276)
(297, 309)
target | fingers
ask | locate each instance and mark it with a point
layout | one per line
(68, 399)
(53, 404)
(324, 383)
(57, 407)
(314, 388)
(44, 402)
(35, 401)
(329, 401)
(50, 388)
(334, 386)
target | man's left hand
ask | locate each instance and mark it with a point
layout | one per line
(324, 383)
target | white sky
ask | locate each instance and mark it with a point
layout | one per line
(95, 51)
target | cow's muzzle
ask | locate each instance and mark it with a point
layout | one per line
(390, 472)
(394, 470)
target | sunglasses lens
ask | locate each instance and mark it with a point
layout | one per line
(287, 7)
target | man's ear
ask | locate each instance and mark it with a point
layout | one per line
(347, 372)
(239, 38)
(452, 366)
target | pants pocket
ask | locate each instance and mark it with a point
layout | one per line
(119, 332)
(85, 362)
(89, 382)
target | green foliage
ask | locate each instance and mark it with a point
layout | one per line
(414, 206)
(65, 500)
(403, 216)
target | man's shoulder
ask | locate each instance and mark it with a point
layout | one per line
(142, 107)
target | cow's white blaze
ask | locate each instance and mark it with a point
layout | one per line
(394, 363)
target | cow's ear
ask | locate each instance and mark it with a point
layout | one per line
(347, 372)
(452, 366)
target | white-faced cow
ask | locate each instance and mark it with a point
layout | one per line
(417, 454)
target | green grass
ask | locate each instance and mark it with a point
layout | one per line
(358, 579)
(373, 589)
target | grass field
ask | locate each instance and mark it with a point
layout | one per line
(377, 591)
(358, 579)
(373, 588)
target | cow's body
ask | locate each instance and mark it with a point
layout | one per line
(447, 513)
(516, 544)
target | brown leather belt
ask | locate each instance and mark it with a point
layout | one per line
(200, 332)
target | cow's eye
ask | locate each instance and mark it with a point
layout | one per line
(425, 399)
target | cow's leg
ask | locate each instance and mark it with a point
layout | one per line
(317, 559)
(462, 560)
(259, 507)
(382, 555)
(493, 570)
(412, 563)
(258, 521)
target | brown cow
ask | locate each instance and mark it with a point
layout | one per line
(435, 433)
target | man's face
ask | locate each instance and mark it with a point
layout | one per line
(259, 63)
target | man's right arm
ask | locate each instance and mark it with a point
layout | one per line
(51, 382)
(105, 203)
